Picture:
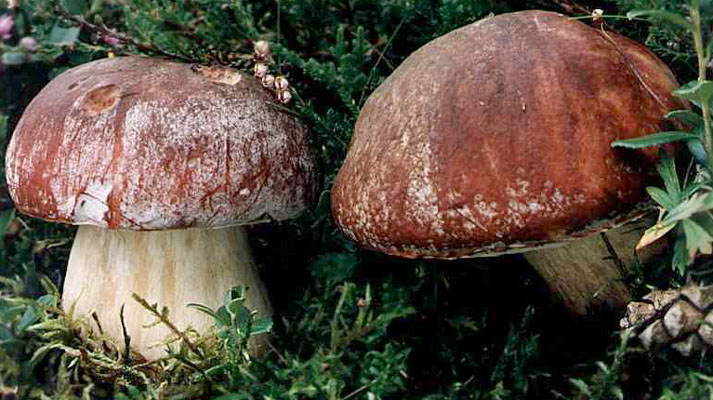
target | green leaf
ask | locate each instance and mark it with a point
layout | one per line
(680, 258)
(235, 292)
(655, 233)
(693, 188)
(334, 268)
(60, 36)
(667, 170)
(28, 318)
(76, 6)
(47, 300)
(261, 325)
(660, 196)
(697, 239)
(698, 152)
(235, 306)
(654, 139)
(581, 386)
(617, 392)
(688, 117)
(6, 216)
(206, 310)
(698, 202)
(7, 339)
(705, 220)
(696, 91)
(10, 311)
(668, 16)
(13, 58)
(42, 351)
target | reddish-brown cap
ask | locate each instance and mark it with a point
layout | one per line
(141, 143)
(496, 137)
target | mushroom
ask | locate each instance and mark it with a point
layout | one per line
(161, 164)
(495, 139)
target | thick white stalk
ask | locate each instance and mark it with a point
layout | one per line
(582, 274)
(171, 268)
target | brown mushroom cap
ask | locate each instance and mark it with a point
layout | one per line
(496, 137)
(140, 143)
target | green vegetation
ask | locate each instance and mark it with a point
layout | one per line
(685, 208)
(351, 324)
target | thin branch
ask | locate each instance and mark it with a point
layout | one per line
(619, 264)
(164, 320)
(127, 338)
(95, 317)
(360, 389)
(105, 31)
(633, 69)
(570, 7)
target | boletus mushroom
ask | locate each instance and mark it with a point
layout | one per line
(496, 138)
(161, 164)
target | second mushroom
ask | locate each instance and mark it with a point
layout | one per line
(495, 138)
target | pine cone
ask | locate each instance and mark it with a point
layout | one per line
(681, 319)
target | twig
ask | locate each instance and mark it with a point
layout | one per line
(359, 390)
(168, 323)
(277, 352)
(127, 338)
(278, 62)
(570, 7)
(633, 69)
(122, 38)
(95, 317)
(612, 252)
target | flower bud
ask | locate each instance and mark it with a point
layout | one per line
(6, 24)
(285, 96)
(262, 49)
(112, 41)
(261, 70)
(268, 80)
(28, 43)
(281, 83)
(597, 14)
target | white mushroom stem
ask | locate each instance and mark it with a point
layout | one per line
(171, 268)
(583, 275)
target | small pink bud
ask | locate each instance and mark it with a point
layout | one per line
(28, 43)
(6, 23)
(597, 15)
(285, 96)
(262, 47)
(281, 83)
(260, 70)
(268, 81)
(262, 50)
(112, 41)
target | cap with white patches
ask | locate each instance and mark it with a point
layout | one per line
(144, 144)
(496, 137)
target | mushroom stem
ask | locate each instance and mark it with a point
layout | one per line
(583, 274)
(171, 268)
